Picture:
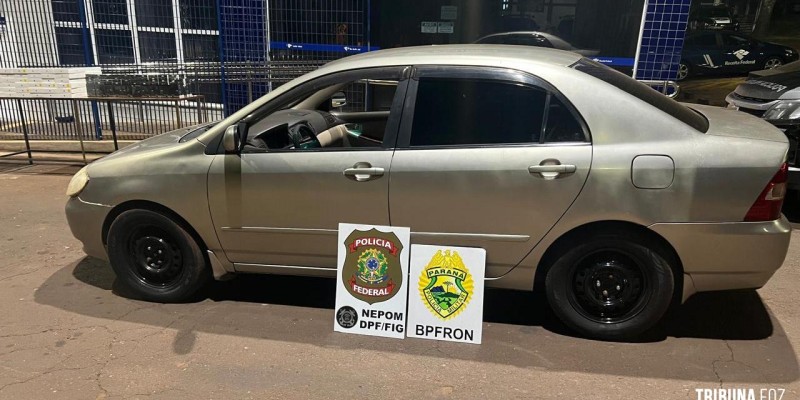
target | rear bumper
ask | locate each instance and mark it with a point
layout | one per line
(731, 255)
(86, 223)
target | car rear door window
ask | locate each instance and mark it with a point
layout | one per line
(561, 125)
(476, 112)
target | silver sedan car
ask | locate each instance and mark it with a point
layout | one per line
(614, 200)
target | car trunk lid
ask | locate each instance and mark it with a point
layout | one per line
(732, 123)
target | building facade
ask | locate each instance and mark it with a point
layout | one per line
(234, 50)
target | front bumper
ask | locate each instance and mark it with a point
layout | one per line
(729, 255)
(86, 223)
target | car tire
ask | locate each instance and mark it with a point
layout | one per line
(611, 286)
(684, 71)
(772, 62)
(155, 258)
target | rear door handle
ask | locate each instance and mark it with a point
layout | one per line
(552, 171)
(363, 172)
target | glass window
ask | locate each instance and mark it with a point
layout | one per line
(474, 112)
(70, 46)
(66, 10)
(198, 14)
(114, 46)
(110, 12)
(154, 13)
(735, 40)
(561, 124)
(643, 92)
(702, 40)
(201, 47)
(156, 46)
(528, 40)
(329, 118)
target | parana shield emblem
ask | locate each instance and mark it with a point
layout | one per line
(446, 284)
(372, 270)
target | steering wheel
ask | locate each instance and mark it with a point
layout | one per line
(303, 137)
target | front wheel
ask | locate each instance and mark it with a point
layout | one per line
(610, 286)
(155, 258)
(772, 62)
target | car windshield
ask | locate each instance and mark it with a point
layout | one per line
(643, 92)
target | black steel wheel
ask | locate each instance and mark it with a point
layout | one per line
(608, 286)
(611, 286)
(154, 257)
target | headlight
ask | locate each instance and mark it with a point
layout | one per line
(784, 109)
(78, 182)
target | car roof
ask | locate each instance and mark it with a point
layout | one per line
(457, 54)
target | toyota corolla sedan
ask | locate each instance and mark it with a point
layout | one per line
(614, 200)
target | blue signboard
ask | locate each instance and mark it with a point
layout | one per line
(615, 61)
(321, 47)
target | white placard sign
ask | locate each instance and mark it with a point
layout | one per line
(445, 300)
(428, 26)
(444, 27)
(371, 279)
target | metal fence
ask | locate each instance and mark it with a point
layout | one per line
(227, 51)
(92, 119)
(97, 118)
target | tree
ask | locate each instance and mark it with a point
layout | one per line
(447, 286)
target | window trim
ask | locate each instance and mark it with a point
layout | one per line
(486, 74)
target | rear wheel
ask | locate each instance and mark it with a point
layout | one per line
(610, 286)
(772, 62)
(155, 258)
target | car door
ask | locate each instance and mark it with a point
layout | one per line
(704, 51)
(739, 53)
(281, 208)
(488, 158)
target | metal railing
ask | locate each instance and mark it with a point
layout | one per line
(94, 119)
(668, 88)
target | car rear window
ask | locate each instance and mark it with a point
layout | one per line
(644, 93)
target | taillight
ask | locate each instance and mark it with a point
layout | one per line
(768, 204)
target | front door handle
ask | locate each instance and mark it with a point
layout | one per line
(362, 172)
(551, 169)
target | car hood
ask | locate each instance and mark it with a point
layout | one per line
(161, 141)
(772, 84)
(733, 123)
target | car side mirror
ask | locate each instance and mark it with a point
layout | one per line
(234, 138)
(338, 100)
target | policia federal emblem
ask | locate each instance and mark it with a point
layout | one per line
(446, 284)
(372, 270)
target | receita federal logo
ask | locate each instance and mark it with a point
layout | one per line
(446, 284)
(741, 53)
(372, 270)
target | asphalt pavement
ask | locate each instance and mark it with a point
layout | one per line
(68, 331)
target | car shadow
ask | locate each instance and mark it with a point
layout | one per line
(519, 328)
